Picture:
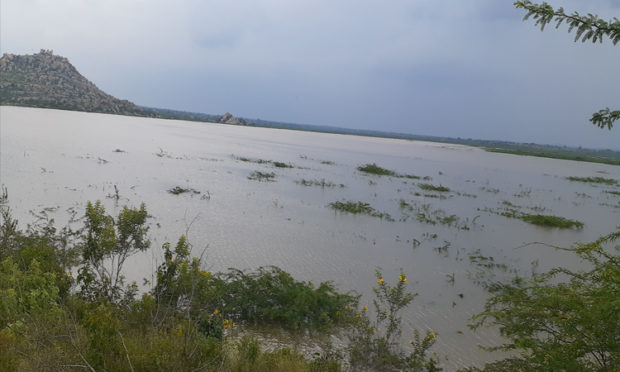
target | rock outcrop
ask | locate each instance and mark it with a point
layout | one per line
(50, 81)
(228, 118)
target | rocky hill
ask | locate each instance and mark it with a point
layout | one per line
(51, 81)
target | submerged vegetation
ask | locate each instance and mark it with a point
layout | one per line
(424, 214)
(606, 181)
(430, 187)
(553, 152)
(277, 164)
(320, 183)
(358, 208)
(550, 221)
(375, 169)
(262, 176)
(379, 171)
(177, 190)
(513, 211)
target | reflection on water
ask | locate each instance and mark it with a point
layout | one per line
(56, 161)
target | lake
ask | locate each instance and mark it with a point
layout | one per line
(52, 162)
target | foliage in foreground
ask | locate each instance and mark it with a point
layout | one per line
(51, 321)
(588, 27)
(561, 320)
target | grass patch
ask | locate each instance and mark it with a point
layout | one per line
(321, 183)
(262, 176)
(359, 208)
(430, 187)
(178, 190)
(617, 193)
(606, 181)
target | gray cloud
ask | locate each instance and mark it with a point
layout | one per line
(468, 68)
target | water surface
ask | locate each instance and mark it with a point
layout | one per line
(53, 162)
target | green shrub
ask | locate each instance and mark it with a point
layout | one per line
(374, 345)
(560, 320)
(271, 295)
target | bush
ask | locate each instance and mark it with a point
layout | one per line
(374, 345)
(561, 320)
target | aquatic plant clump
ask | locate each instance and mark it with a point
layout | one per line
(178, 190)
(424, 214)
(375, 169)
(512, 211)
(359, 208)
(551, 221)
(606, 181)
(379, 171)
(430, 187)
(321, 183)
(262, 176)
(277, 164)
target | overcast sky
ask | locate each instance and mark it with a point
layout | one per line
(458, 68)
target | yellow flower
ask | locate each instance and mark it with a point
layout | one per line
(411, 342)
(348, 307)
(434, 335)
(380, 280)
(204, 273)
(365, 308)
(216, 312)
(402, 278)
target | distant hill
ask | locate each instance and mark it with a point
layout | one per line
(50, 81)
